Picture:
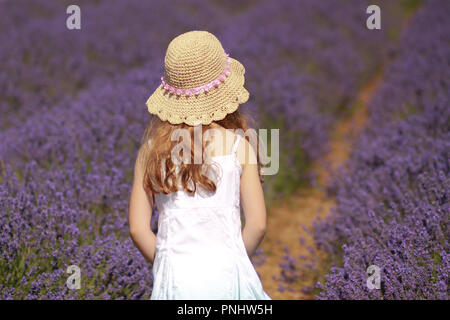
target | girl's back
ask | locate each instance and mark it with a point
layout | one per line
(199, 249)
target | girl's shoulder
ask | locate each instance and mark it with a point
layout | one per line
(221, 141)
(245, 151)
(227, 142)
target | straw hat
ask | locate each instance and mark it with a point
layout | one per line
(201, 82)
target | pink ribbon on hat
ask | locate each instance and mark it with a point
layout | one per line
(198, 90)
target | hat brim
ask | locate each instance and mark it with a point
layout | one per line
(203, 108)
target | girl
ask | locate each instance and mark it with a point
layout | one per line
(200, 251)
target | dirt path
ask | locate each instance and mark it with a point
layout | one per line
(285, 222)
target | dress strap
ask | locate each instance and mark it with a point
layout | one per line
(236, 143)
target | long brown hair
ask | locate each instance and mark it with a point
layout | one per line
(157, 156)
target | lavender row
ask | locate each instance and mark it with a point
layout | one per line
(393, 197)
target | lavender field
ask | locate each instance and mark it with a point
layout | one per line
(73, 114)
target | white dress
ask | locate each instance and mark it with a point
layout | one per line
(200, 253)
